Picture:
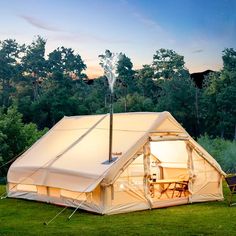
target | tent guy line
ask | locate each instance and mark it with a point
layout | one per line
(74, 200)
(12, 159)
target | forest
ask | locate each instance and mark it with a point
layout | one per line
(37, 90)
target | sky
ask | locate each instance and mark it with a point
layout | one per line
(197, 29)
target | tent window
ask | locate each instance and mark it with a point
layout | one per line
(53, 192)
(26, 187)
(73, 195)
(132, 177)
(129, 186)
(42, 190)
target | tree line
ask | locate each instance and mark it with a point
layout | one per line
(38, 90)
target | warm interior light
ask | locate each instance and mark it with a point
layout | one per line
(122, 186)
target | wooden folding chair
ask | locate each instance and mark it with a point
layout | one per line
(231, 181)
(180, 188)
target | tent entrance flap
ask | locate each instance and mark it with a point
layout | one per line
(55, 179)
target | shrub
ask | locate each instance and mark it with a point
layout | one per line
(224, 151)
(15, 136)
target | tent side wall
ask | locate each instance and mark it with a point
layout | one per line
(126, 194)
(91, 201)
(207, 182)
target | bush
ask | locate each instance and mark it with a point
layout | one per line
(15, 136)
(224, 151)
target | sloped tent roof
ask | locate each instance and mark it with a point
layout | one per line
(72, 154)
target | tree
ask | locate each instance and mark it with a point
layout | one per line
(55, 82)
(219, 98)
(34, 65)
(178, 93)
(10, 68)
(15, 136)
(178, 97)
(167, 64)
(65, 62)
(229, 60)
(125, 81)
(58, 98)
(208, 111)
(125, 72)
(146, 83)
(133, 102)
(97, 96)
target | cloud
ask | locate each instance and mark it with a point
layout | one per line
(197, 51)
(147, 21)
(85, 37)
(39, 24)
(80, 37)
(124, 2)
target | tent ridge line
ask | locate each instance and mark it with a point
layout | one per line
(118, 113)
(175, 122)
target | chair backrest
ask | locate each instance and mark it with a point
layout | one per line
(184, 177)
(231, 181)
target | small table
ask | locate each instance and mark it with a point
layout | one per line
(165, 185)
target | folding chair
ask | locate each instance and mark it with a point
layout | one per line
(180, 188)
(231, 181)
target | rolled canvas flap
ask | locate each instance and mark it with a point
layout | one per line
(57, 179)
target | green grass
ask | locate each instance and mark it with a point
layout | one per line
(20, 217)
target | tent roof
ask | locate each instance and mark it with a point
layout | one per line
(72, 154)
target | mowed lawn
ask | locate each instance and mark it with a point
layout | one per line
(21, 217)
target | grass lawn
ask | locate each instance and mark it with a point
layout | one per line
(20, 217)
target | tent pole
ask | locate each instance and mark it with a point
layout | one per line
(111, 127)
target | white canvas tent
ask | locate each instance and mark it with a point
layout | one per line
(67, 166)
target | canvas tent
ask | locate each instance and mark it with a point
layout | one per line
(68, 165)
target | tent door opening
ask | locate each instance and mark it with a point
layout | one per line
(169, 171)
